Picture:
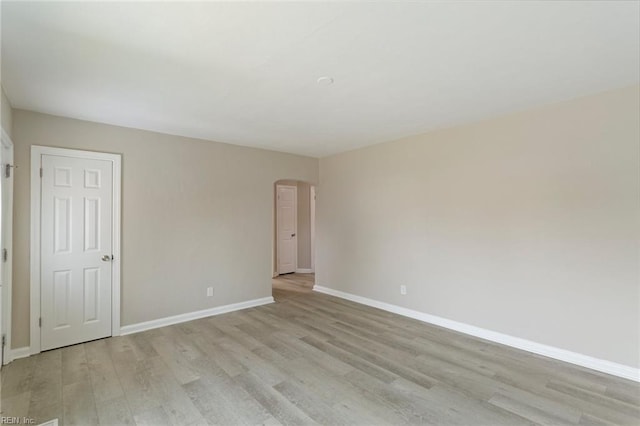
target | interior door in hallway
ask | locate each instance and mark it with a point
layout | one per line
(76, 250)
(286, 202)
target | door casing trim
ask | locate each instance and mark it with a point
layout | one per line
(7, 285)
(312, 208)
(35, 278)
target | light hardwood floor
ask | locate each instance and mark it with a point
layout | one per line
(309, 358)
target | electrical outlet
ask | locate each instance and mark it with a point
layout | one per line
(209, 291)
(403, 290)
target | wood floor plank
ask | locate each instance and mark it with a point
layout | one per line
(290, 327)
(114, 412)
(173, 356)
(280, 407)
(530, 412)
(316, 410)
(405, 405)
(589, 420)
(231, 365)
(545, 403)
(79, 404)
(220, 399)
(351, 359)
(211, 404)
(17, 379)
(269, 373)
(135, 377)
(46, 387)
(462, 409)
(175, 401)
(399, 368)
(43, 412)
(341, 394)
(141, 344)
(312, 354)
(597, 405)
(104, 379)
(155, 416)
(16, 405)
(74, 365)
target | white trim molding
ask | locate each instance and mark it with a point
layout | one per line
(304, 271)
(36, 160)
(18, 353)
(582, 360)
(6, 235)
(190, 316)
(312, 222)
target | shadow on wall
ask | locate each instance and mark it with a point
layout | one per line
(296, 253)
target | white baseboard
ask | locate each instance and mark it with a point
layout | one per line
(304, 271)
(582, 360)
(17, 353)
(176, 319)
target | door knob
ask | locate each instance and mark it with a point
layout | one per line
(293, 235)
(106, 258)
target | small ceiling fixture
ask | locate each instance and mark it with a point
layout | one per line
(325, 81)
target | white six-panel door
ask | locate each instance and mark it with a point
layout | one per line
(286, 202)
(76, 250)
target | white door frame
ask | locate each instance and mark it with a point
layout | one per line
(7, 238)
(312, 207)
(36, 160)
(295, 219)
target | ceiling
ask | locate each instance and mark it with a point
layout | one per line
(246, 72)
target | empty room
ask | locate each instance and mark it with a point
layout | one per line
(320, 212)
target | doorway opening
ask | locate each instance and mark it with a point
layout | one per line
(293, 237)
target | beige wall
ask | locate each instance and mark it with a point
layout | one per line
(528, 225)
(195, 214)
(6, 113)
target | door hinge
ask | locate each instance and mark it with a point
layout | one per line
(5, 255)
(40, 171)
(40, 322)
(4, 340)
